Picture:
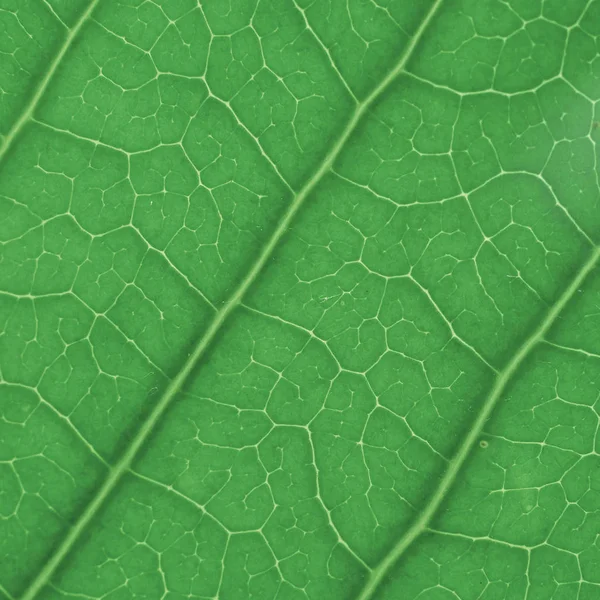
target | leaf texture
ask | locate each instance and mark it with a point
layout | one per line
(300, 299)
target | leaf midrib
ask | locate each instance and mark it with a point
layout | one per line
(501, 382)
(30, 108)
(123, 465)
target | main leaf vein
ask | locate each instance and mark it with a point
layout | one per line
(123, 465)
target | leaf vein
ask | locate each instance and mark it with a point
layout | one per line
(125, 462)
(502, 381)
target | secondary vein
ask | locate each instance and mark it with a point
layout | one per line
(30, 108)
(123, 465)
(503, 379)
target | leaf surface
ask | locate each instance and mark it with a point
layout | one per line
(300, 299)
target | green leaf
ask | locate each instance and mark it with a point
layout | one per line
(300, 299)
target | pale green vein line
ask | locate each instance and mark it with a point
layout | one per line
(126, 460)
(4, 591)
(501, 382)
(55, 14)
(325, 49)
(64, 418)
(574, 350)
(482, 538)
(30, 108)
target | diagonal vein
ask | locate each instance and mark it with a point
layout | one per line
(30, 108)
(123, 465)
(501, 382)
